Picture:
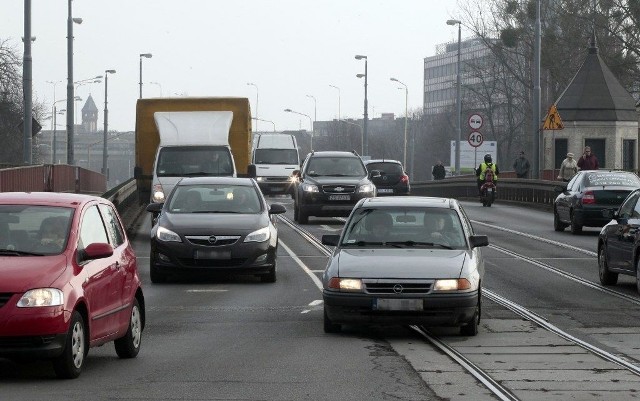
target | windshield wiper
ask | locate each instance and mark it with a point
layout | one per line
(418, 243)
(13, 252)
(215, 211)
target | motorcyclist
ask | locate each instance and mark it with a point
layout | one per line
(481, 172)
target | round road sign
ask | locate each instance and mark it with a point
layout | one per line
(475, 121)
(475, 139)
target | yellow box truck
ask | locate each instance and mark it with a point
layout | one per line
(190, 136)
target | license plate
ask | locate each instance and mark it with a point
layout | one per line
(339, 197)
(385, 190)
(209, 254)
(398, 304)
(491, 190)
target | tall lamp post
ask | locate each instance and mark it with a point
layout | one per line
(266, 121)
(361, 134)
(406, 117)
(310, 122)
(53, 118)
(315, 114)
(335, 87)
(106, 124)
(366, 105)
(70, 93)
(95, 80)
(458, 95)
(145, 55)
(257, 119)
(27, 84)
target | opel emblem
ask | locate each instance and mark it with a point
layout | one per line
(213, 239)
(339, 189)
(397, 289)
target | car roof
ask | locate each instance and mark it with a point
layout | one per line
(410, 201)
(216, 180)
(333, 153)
(382, 161)
(46, 198)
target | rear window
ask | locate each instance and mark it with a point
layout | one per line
(612, 178)
(387, 168)
(195, 161)
(276, 156)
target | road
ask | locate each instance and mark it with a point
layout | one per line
(209, 338)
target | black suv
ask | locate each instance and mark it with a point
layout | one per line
(330, 184)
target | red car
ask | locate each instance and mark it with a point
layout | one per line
(68, 280)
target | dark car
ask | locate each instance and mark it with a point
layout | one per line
(588, 193)
(619, 242)
(393, 180)
(329, 184)
(215, 224)
(68, 280)
(405, 260)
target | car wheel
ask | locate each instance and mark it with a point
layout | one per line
(557, 224)
(606, 277)
(270, 277)
(69, 364)
(329, 326)
(575, 227)
(129, 345)
(471, 328)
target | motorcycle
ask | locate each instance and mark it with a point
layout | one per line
(488, 189)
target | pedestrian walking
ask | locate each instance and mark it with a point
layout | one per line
(568, 168)
(437, 171)
(521, 166)
(588, 161)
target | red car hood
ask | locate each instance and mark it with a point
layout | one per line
(22, 273)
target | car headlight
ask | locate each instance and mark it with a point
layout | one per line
(345, 284)
(164, 234)
(460, 284)
(260, 235)
(157, 194)
(259, 179)
(310, 188)
(41, 297)
(366, 188)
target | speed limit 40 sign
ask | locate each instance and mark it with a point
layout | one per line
(475, 139)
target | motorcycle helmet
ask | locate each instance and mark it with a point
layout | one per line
(487, 158)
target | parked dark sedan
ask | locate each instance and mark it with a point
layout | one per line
(587, 194)
(619, 242)
(393, 180)
(215, 224)
(405, 260)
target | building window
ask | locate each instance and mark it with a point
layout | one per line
(628, 154)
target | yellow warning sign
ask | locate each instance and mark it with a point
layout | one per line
(553, 120)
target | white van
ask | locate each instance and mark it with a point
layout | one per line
(275, 157)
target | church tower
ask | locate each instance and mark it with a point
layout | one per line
(89, 116)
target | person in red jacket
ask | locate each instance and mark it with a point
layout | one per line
(588, 161)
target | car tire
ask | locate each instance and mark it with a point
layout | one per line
(557, 224)
(471, 328)
(69, 364)
(129, 345)
(156, 276)
(329, 326)
(270, 277)
(606, 276)
(575, 227)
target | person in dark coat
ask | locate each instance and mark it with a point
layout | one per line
(437, 171)
(521, 166)
(588, 161)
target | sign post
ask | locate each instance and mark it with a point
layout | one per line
(475, 137)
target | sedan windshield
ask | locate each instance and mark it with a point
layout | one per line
(405, 227)
(336, 167)
(215, 198)
(26, 229)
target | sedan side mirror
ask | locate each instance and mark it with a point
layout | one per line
(478, 240)
(97, 250)
(330, 239)
(277, 208)
(251, 171)
(154, 207)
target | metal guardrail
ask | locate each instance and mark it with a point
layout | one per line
(123, 195)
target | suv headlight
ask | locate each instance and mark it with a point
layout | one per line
(164, 234)
(260, 235)
(310, 188)
(41, 297)
(366, 188)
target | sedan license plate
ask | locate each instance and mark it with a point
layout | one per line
(209, 254)
(385, 190)
(339, 197)
(398, 304)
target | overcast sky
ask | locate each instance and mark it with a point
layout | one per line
(288, 48)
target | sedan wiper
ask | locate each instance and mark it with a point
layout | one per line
(215, 211)
(417, 243)
(13, 252)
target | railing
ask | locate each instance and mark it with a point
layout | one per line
(52, 178)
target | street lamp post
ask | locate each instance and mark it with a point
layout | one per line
(257, 119)
(27, 84)
(366, 106)
(95, 80)
(310, 122)
(70, 93)
(361, 134)
(458, 95)
(145, 55)
(106, 119)
(315, 114)
(159, 85)
(266, 121)
(335, 87)
(53, 113)
(406, 117)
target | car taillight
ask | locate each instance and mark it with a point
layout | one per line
(404, 179)
(588, 198)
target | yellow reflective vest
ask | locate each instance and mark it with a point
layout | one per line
(483, 170)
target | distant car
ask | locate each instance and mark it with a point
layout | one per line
(215, 225)
(393, 180)
(329, 184)
(405, 260)
(68, 280)
(619, 242)
(588, 193)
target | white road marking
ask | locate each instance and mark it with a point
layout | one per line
(316, 302)
(207, 290)
(317, 271)
(305, 311)
(304, 267)
(327, 228)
